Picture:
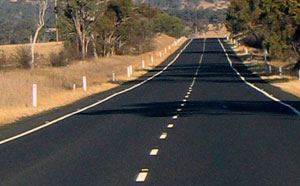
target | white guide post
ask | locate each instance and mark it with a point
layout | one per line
(84, 83)
(74, 87)
(34, 95)
(280, 71)
(128, 72)
(152, 59)
(165, 50)
(299, 75)
(169, 47)
(113, 77)
(131, 71)
(160, 54)
(143, 64)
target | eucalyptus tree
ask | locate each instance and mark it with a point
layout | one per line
(81, 14)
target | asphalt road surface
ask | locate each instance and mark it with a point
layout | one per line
(209, 126)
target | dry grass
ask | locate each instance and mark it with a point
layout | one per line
(41, 48)
(290, 85)
(55, 84)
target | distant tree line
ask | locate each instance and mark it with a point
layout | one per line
(274, 25)
(199, 19)
(100, 27)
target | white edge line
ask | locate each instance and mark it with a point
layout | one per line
(97, 103)
(255, 87)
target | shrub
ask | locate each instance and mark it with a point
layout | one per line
(23, 56)
(58, 60)
(3, 58)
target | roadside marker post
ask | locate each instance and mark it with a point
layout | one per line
(74, 87)
(165, 50)
(128, 72)
(143, 64)
(169, 47)
(270, 69)
(160, 54)
(34, 95)
(84, 83)
(299, 75)
(152, 59)
(131, 71)
(280, 71)
(113, 77)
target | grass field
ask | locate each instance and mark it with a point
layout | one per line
(55, 84)
(43, 50)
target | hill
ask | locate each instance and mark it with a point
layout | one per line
(18, 19)
(182, 4)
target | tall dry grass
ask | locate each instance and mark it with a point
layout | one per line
(55, 84)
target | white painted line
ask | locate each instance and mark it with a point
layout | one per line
(179, 110)
(182, 105)
(97, 103)
(163, 136)
(187, 96)
(256, 88)
(188, 93)
(175, 117)
(184, 100)
(170, 126)
(142, 175)
(154, 152)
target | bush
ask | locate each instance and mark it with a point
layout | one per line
(3, 58)
(23, 56)
(58, 60)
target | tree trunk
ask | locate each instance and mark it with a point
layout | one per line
(33, 46)
(94, 46)
(43, 5)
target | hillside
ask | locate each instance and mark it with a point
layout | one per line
(18, 20)
(181, 4)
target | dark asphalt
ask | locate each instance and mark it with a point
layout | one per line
(226, 134)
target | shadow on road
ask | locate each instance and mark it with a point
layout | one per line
(166, 109)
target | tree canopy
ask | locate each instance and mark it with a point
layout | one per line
(274, 22)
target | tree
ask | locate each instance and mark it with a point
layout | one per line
(43, 6)
(273, 22)
(81, 14)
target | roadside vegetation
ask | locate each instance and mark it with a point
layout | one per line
(267, 24)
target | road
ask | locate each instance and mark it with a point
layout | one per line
(224, 132)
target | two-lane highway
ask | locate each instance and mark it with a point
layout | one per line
(206, 126)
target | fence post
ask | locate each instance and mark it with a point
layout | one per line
(84, 83)
(34, 95)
